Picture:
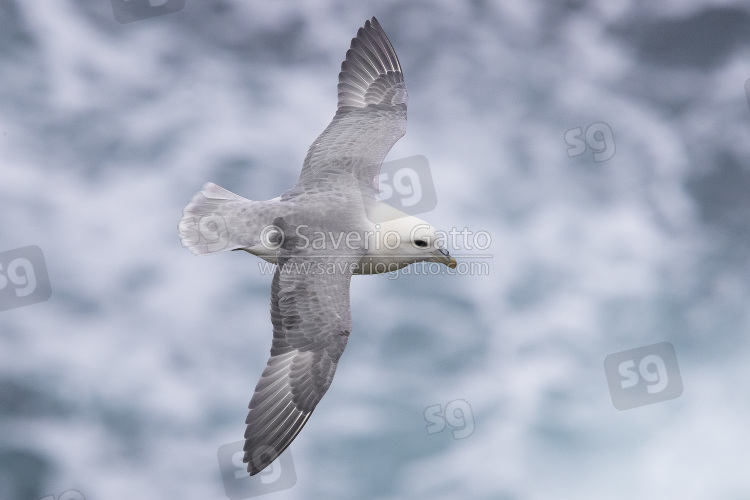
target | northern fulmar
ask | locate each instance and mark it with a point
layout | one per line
(330, 225)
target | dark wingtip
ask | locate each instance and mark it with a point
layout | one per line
(370, 57)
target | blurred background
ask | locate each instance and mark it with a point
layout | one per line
(129, 379)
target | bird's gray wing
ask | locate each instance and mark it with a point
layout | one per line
(371, 114)
(311, 325)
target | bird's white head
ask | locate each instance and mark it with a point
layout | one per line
(396, 243)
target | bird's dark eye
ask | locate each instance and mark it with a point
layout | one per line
(420, 243)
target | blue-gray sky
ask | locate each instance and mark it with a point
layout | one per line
(125, 383)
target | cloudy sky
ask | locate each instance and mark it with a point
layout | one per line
(602, 146)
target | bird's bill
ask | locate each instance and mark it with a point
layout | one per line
(444, 257)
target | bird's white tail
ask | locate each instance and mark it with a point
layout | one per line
(217, 220)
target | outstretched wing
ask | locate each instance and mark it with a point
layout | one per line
(311, 325)
(371, 114)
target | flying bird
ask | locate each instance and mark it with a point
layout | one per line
(328, 227)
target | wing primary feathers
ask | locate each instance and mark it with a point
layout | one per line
(369, 59)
